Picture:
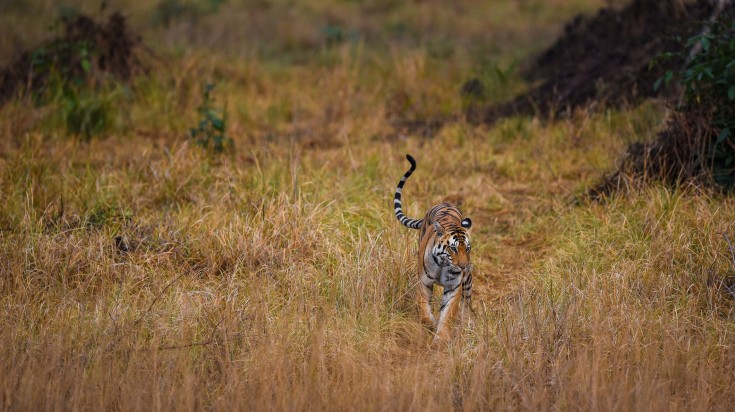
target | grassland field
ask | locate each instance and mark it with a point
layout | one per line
(141, 272)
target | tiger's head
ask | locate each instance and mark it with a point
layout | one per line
(452, 247)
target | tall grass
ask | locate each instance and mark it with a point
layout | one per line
(139, 272)
(285, 283)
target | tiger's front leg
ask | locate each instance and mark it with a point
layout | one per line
(425, 292)
(467, 289)
(449, 307)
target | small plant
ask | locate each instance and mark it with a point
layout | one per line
(60, 69)
(210, 132)
(87, 114)
(84, 109)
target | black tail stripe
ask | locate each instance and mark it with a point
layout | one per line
(406, 221)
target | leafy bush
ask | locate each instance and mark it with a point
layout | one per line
(82, 72)
(708, 79)
(85, 108)
(87, 114)
(210, 132)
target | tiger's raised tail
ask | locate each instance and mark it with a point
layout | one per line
(405, 220)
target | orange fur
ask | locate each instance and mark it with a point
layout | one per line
(443, 258)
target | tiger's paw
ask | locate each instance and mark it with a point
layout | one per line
(441, 340)
(429, 322)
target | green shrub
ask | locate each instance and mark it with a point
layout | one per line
(210, 131)
(708, 79)
(82, 72)
(87, 114)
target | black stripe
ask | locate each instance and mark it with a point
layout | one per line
(451, 290)
(435, 260)
(398, 208)
(447, 303)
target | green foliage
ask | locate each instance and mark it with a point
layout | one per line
(64, 66)
(84, 110)
(102, 215)
(492, 83)
(709, 76)
(708, 79)
(169, 11)
(210, 131)
(87, 114)
(66, 74)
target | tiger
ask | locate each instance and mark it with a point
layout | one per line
(443, 259)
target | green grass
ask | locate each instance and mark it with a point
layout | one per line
(275, 276)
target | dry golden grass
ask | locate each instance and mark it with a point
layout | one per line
(277, 278)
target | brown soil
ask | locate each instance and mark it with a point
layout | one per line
(85, 51)
(604, 59)
(687, 151)
(678, 155)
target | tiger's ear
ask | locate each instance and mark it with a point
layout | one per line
(439, 229)
(466, 223)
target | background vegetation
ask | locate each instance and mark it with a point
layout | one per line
(143, 269)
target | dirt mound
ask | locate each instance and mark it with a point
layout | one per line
(85, 51)
(697, 146)
(677, 155)
(604, 59)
